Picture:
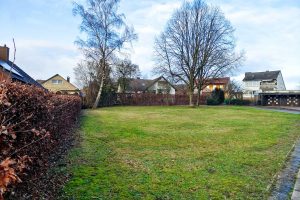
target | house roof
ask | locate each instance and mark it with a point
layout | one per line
(224, 81)
(18, 73)
(139, 84)
(259, 76)
(50, 78)
(44, 81)
(144, 84)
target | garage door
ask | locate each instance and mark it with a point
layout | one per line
(292, 101)
(273, 101)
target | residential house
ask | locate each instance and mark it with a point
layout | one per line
(210, 85)
(12, 71)
(159, 85)
(213, 83)
(59, 85)
(257, 82)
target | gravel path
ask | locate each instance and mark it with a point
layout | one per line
(292, 110)
(286, 179)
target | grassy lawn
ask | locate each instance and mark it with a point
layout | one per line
(179, 153)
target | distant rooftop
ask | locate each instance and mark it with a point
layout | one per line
(259, 76)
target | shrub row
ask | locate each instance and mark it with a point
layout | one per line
(239, 102)
(33, 124)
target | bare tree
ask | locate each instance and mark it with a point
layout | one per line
(13, 62)
(233, 90)
(85, 73)
(197, 44)
(106, 34)
(124, 71)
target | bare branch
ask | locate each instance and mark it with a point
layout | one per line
(12, 65)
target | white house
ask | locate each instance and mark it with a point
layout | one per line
(159, 85)
(257, 82)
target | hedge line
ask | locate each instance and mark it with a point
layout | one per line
(33, 124)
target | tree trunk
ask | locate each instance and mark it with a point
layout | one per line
(191, 98)
(198, 95)
(99, 94)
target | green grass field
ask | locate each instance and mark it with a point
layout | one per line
(179, 153)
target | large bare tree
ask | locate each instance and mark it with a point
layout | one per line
(106, 34)
(197, 44)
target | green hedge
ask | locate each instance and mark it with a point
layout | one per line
(217, 97)
(239, 102)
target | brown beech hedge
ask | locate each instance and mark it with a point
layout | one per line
(33, 124)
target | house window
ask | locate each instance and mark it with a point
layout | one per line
(56, 82)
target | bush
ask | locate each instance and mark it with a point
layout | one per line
(239, 102)
(217, 97)
(212, 102)
(33, 125)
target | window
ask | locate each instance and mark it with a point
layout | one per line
(56, 81)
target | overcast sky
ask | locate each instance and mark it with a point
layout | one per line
(45, 30)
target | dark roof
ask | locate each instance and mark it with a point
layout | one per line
(259, 76)
(18, 74)
(224, 81)
(143, 84)
(139, 84)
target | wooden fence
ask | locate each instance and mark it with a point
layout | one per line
(148, 99)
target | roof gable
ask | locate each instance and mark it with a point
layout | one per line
(57, 76)
(144, 84)
(138, 84)
(259, 76)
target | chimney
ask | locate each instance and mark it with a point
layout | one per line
(4, 53)
(68, 79)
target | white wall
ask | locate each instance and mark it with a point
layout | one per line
(157, 87)
(280, 82)
(251, 89)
